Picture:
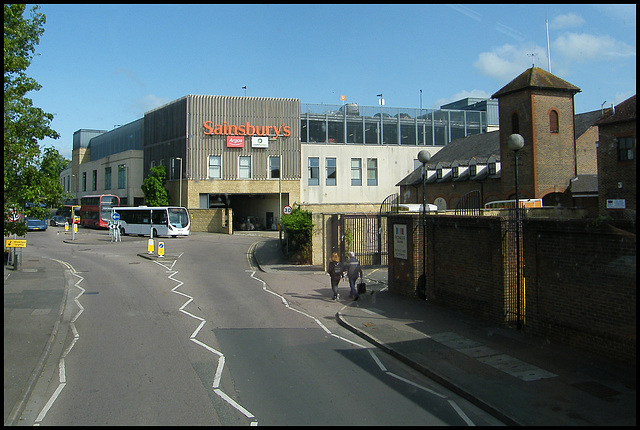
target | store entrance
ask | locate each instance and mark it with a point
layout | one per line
(250, 211)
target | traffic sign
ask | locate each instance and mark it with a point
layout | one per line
(16, 243)
(115, 216)
(287, 210)
(14, 215)
(160, 249)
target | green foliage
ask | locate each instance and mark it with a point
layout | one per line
(299, 229)
(348, 240)
(28, 174)
(155, 194)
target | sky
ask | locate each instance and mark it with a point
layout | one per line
(101, 66)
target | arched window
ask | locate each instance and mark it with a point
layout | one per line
(515, 124)
(553, 121)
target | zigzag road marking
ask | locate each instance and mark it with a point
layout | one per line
(221, 358)
(62, 374)
(375, 358)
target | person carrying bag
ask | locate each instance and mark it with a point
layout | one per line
(354, 271)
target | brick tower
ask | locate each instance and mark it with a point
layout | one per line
(539, 106)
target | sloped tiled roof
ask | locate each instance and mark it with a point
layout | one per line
(625, 111)
(536, 78)
(583, 121)
(584, 184)
(478, 146)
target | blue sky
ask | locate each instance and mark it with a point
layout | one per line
(104, 65)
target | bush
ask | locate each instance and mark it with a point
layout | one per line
(299, 230)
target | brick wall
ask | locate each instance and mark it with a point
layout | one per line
(464, 268)
(616, 179)
(581, 286)
(579, 278)
(212, 220)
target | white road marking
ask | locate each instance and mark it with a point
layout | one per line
(62, 374)
(221, 359)
(371, 352)
(462, 414)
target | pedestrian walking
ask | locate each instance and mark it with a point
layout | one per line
(336, 273)
(354, 271)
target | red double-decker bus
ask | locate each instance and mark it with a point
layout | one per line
(95, 211)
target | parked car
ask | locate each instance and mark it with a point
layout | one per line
(36, 224)
(58, 221)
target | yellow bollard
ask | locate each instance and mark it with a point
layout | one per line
(160, 249)
(150, 246)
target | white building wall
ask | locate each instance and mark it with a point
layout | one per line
(394, 163)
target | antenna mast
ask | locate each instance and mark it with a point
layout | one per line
(548, 50)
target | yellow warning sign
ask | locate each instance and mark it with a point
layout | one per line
(16, 243)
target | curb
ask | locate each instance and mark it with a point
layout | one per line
(493, 411)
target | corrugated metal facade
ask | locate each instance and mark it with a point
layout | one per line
(254, 111)
(165, 134)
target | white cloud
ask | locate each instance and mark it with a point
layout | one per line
(480, 94)
(508, 61)
(150, 101)
(566, 21)
(584, 47)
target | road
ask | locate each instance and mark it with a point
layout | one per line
(201, 337)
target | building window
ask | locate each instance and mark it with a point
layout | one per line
(314, 171)
(454, 172)
(94, 180)
(274, 167)
(492, 168)
(107, 178)
(244, 170)
(472, 171)
(84, 181)
(439, 173)
(330, 165)
(553, 121)
(215, 167)
(515, 124)
(625, 148)
(153, 164)
(372, 171)
(122, 176)
(356, 171)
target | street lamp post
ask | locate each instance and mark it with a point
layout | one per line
(424, 156)
(515, 142)
(180, 193)
(381, 101)
(126, 185)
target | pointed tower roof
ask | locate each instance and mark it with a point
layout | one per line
(536, 78)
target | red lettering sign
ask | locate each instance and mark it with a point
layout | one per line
(235, 141)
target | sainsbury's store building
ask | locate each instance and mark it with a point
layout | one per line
(256, 155)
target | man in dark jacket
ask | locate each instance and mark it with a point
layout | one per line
(354, 271)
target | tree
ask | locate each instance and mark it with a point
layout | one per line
(24, 124)
(155, 194)
(299, 229)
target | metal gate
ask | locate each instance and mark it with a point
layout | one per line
(366, 236)
(514, 294)
(470, 204)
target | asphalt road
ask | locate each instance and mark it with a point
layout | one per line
(201, 337)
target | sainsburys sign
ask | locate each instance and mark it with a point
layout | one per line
(246, 129)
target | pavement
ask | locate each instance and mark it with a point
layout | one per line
(517, 378)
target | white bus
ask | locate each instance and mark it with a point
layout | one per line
(164, 220)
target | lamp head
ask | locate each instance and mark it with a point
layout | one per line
(424, 156)
(515, 142)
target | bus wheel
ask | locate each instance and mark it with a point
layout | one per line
(122, 232)
(155, 233)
